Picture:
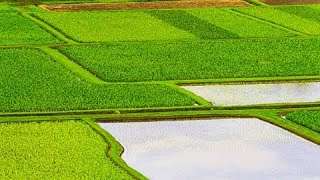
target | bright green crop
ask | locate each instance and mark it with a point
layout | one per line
(16, 30)
(199, 60)
(5, 8)
(282, 18)
(309, 119)
(306, 12)
(31, 81)
(236, 23)
(102, 26)
(55, 150)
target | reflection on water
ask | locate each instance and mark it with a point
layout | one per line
(228, 95)
(211, 149)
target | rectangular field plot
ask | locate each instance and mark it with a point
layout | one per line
(198, 60)
(215, 149)
(31, 81)
(102, 26)
(279, 17)
(55, 150)
(17, 30)
(240, 25)
(248, 94)
(306, 12)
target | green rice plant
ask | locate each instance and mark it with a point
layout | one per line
(199, 27)
(103, 26)
(5, 8)
(306, 12)
(240, 25)
(309, 119)
(16, 30)
(55, 150)
(31, 81)
(284, 19)
(315, 6)
(160, 61)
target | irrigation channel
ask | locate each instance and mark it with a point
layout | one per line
(250, 94)
(218, 148)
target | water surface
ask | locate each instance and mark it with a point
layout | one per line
(249, 94)
(211, 149)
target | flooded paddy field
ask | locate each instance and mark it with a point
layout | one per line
(210, 149)
(249, 94)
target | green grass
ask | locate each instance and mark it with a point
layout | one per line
(104, 26)
(306, 12)
(55, 150)
(31, 81)
(309, 119)
(199, 60)
(186, 21)
(16, 30)
(284, 19)
(240, 25)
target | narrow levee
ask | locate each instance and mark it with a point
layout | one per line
(207, 149)
(250, 94)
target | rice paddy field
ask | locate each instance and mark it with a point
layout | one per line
(55, 150)
(64, 69)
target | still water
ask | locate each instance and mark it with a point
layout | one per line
(216, 149)
(230, 95)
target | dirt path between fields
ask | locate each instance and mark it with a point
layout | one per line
(146, 5)
(290, 2)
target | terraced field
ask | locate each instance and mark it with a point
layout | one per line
(23, 32)
(198, 60)
(31, 81)
(61, 72)
(121, 26)
(279, 17)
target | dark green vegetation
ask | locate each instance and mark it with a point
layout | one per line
(17, 30)
(236, 23)
(199, 60)
(55, 150)
(309, 119)
(31, 81)
(192, 24)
